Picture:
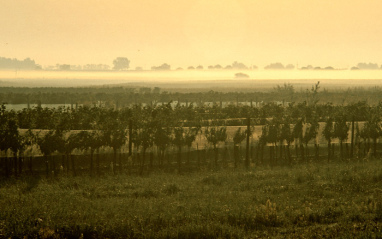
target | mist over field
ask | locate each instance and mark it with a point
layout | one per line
(220, 79)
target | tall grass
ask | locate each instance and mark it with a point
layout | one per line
(334, 200)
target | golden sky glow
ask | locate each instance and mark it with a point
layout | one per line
(182, 33)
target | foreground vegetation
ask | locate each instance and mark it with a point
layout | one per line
(340, 199)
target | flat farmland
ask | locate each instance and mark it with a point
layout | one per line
(341, 199)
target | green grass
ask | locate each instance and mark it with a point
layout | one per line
(305, 201)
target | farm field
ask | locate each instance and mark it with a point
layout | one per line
(315, 200)
(197, 79)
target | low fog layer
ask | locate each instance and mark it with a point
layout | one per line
(193, 79)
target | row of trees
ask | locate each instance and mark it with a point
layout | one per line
(124, 96)
(89, 129)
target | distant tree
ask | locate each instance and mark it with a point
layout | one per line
(189, 137)
(308, 67)
(63, 67)
(218, 67)
(373, 128)
(163, 67)
(8, 63)
(199, 67)
(215, 135)
(329, 68)
(237, 139)
(341, 129)
(298, 132)
(50, 142)
(156, 90)
(94, 67)
(329, 134)
(239, 65)
(138, 68)
(144, 90)
(210, 67)
(275, 66)
(121, 63)
(354, 68)
(289, 67)
(76, 67)
(367, 66)
(190, 68)
(286, 89)
(286, 134)
(310, 133)
(228, 67)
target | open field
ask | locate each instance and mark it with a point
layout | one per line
(341, 199)
(222, 80)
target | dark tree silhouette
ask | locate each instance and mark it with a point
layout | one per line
(121, 63)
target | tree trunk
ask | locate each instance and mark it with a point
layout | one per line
(46, 165)
(247, 143)
(179, 158)
(114, 160)
(329, 150)
(236, 155)
(73, 165)
(188, 155)
(67, 163)
(317, 154)
(271, 155)
(352, 138)
(216, 151)
(275, 154)
(15, 159)
(91, 162)
(98, 159)
(341, 150)
(346, 150)
(130, 137)
(151, 160)
(143, 161)
(375, 146)
(7, 174)
(302, 152)
(120, 160)
(63, 166)
(21, 159)
(53, 165)
(31, 165)
(226, 156)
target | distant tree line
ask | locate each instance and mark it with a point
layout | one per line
(15, 64)
(123, 63)
(366, 66)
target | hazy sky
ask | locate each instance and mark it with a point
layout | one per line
(340, 33)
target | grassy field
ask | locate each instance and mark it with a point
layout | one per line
(341, 199)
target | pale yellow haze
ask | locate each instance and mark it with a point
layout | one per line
(338, 33)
